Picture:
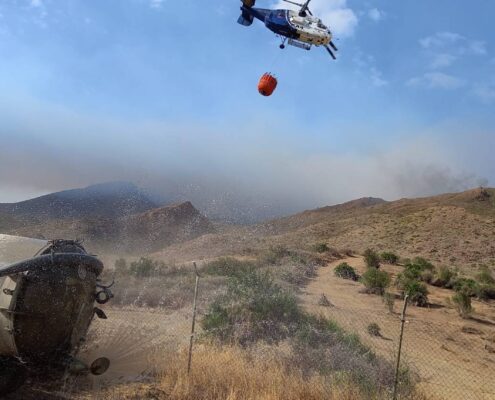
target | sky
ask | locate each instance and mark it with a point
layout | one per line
(164, 93)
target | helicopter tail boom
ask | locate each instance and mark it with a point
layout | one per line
(245, 18)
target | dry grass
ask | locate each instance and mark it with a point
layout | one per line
(232, 373)
(229, 373)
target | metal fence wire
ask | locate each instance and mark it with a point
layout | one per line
(445, 358)
(448, 361)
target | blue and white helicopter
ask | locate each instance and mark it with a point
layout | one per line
(300, 29)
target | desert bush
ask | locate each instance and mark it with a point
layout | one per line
(466, 285)
(374, 329)
(427, 276)
(144, 267)
(423, 263)
(389, 300)
(298, 275)
(417, 292)
(463, 303)
(389, 257)
(321, 247)
(371, 259)
(274, 255)
(375, 281)
(414, 271)
(485, 292)
(253, 308)
(322, 346)
(444, 277)
(345, 271)
(485, 276)
(228, 266)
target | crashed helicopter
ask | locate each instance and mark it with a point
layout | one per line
(300, 29)
(47, 304)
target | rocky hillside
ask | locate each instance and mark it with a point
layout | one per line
(112, 217)
(138, 233)
(108, 200)
(452, 229)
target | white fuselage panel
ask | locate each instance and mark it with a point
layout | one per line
(310, 29)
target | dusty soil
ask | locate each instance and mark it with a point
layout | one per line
(451, 356)
(138, 343)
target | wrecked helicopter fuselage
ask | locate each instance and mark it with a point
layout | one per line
(47, 304)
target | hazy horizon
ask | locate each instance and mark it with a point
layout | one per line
(166, 98)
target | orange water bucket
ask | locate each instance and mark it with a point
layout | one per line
(267, 84)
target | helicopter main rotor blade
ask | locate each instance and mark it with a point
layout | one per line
(293, 2)
(330, 52)
(332, 45)
(304, 8)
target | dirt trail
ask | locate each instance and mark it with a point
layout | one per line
(451, 364)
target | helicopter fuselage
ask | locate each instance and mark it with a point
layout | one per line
(289, 24)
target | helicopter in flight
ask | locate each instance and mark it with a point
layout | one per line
(298, 28)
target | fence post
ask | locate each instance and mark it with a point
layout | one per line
(403, 321)
(193, 318)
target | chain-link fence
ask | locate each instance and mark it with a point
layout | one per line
(448, 357)
(441, 354)
(148, 328)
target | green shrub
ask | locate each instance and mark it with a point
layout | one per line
(411, 272)
(274, 255)
(254, 308)
(227, 266)
(371, 259)
(463, 303)
(423, 264)
(467, 286)
(375, 281)
(444, 277)
(485, 276)
(417, 292)
(374, 329)
(345, 271)
(145, 267)
(389, 257)
(321, 248)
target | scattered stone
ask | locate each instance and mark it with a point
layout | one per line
(490, 349)
(324, 302)
(471, 331)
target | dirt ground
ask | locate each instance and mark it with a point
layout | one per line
(137, 341)
(452, 357)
